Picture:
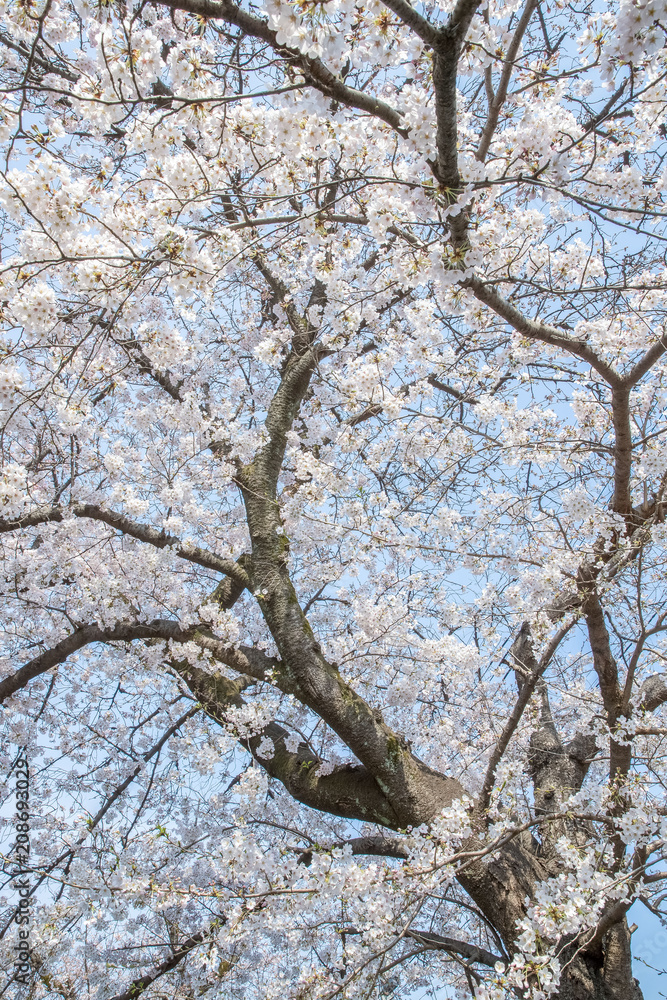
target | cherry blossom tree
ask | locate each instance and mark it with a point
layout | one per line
(332, 500)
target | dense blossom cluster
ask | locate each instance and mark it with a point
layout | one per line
(284, 305)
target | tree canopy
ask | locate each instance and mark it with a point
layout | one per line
(332, 500)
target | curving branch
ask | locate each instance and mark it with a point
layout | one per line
(645, 364)
(315, 73)
(161, 540)
(30, 520)
(500, 96)
(415, 791)
(71, 644)
(536, 330)
(180, 952)
(349, 791)
(414, 20)
(544, 332)
(135, 529)
(472, 952)
(245, 660)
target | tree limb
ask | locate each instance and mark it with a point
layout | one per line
(181, 951)
(135, 529)
(653, 693)
(505, 76)
(536, 330)
(349, 791)
(414, 20)
(72, 643)
(522, 650)
(470, 951)
(316, 74)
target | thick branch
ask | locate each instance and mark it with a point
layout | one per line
(603, 659)
(620, 411)
(505, 76)
(30, 520)
(377, 847)
(77, 640)
(470, 951)
(535, 330)
(410, 17)
(180, 952)
(135, 529)
(245, 660)
(620, 755)
(135, 351)
(653, 693)
(315, 72)
(445, 65)
(461, 16)
(349, 791)
(645, 364)
(415, 791)
(445, 68)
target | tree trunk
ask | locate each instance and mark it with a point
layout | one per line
(603, 971)
(605, 974)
